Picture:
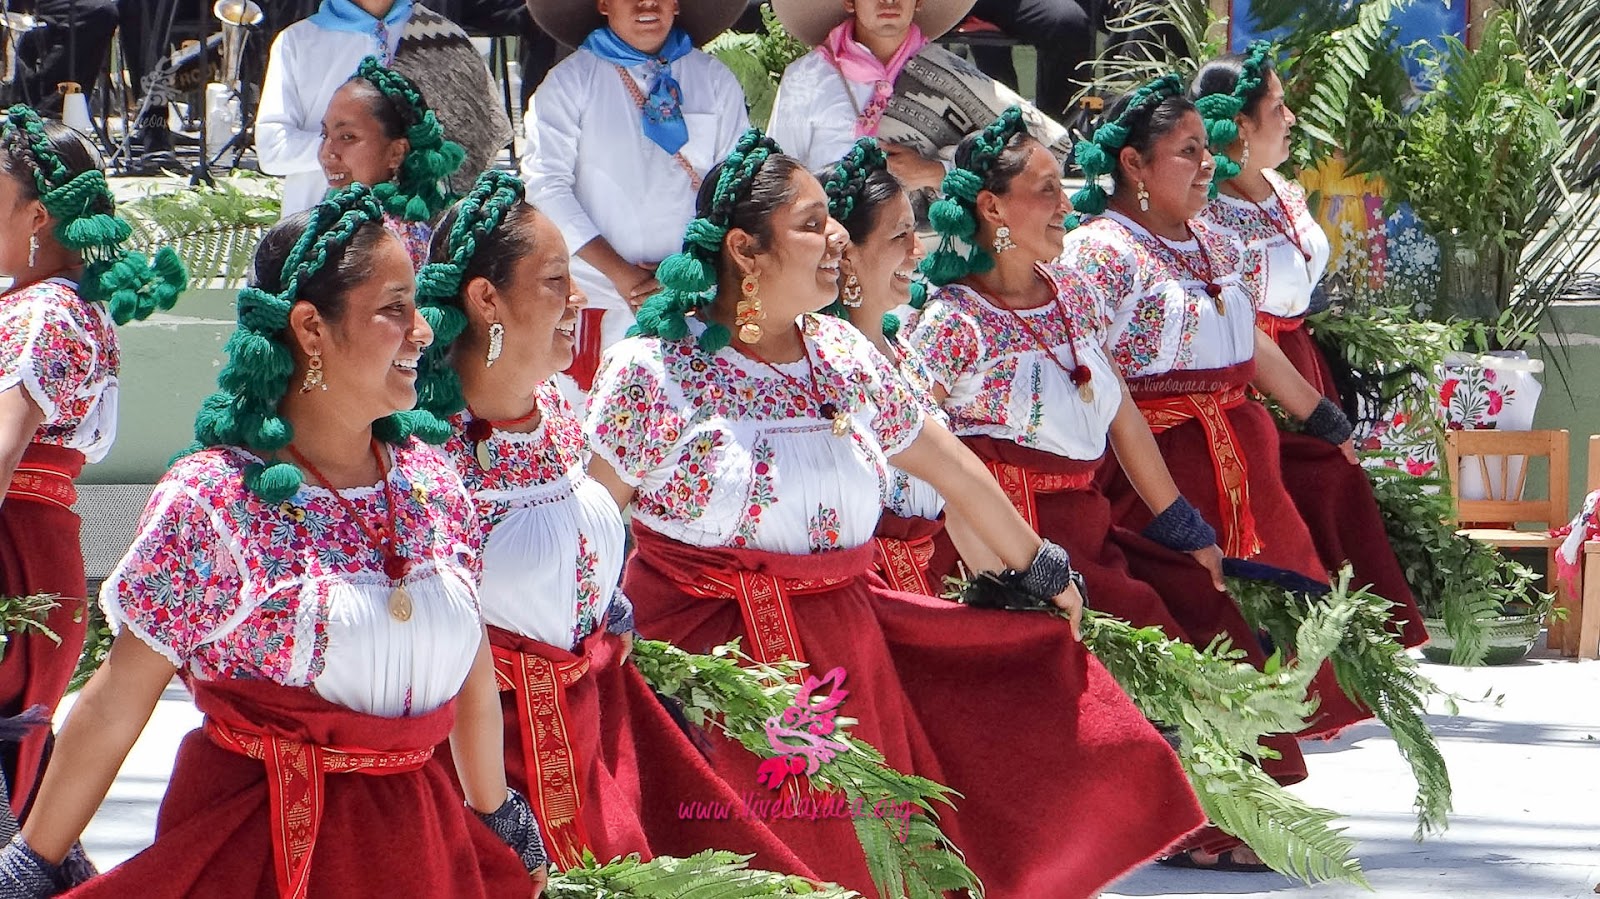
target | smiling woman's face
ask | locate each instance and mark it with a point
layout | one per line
(799, 268)
(1177, 170)
(355, 146)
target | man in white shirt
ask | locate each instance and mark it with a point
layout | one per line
(620, 135)
(313, 57)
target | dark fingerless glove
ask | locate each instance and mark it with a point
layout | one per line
(1180, 527)
(25, 875)
(1328, 422)
(619, 617)
(513, 822)
(1048, 576)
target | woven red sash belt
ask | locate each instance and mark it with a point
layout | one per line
(45, 476)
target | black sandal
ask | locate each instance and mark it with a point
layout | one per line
(1225, 862)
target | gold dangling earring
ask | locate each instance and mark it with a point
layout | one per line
(748, 312)
(850, 291)
(1144, 198)
(33, 249)
(1002, 240)
(313, 378)
(497, 343)
(1244, 155)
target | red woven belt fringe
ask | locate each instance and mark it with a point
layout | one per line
(904, 563)
(295, 773)
(540, 688)
(1020, 485)
(45, 476)
(1273, 325)
(1239, 537)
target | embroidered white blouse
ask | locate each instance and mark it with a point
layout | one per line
(1151, 295)
(1276, 271)
(226, 585)
(553, 541)
(62, 350)
(1002, 383)
(912, 497)
(589, 166)
(308, 63)
(726, 451)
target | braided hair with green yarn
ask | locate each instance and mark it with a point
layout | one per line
(857, 186)
(479, 237)
(315, 256)
(739, 192)
(54, 165)
(1097, 157)
(417, 193)
(979, 166)
(1226, 88)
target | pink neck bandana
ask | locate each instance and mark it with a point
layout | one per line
(857, 63)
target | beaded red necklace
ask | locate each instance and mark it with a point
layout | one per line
(395, 566)
(1285, 227)
(1080, 375)
(825, 409)
(478, 431)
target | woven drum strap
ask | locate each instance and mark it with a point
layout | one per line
(904, 563)
(539, 686)
(1239, 536)
(1021, 485)
(640, 99)
(1273, 325)
(295, 789)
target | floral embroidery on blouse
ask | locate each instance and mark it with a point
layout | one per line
(1154, 306)
(63, 352)
(415, 235)
(555, 450)
(226, 585)
(724, 450)
(823, 529)
(1259, 230)
(589, 594)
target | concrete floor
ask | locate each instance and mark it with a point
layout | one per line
(1525, 763)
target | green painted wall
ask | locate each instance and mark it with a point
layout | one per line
(1571, 396)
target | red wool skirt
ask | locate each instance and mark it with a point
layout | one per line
(399, 829)
(611, 770)
(1335, 498)
(1226, 461)
(40, 553)
(1001, 706)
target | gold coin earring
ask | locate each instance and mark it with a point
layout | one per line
(313, 379)
(748, 312)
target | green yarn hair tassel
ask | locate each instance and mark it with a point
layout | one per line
(688, 271)
(274, 483)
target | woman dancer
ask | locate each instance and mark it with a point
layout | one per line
(757, 471)
(1015, 347)
(311, 572)
(379, 131)
(71, 279)
(1285, 255)
(501, 296)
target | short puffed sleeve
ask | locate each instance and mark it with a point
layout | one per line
(899, 415)
(948, 341)
(43, 349)
(632, 421)
(179, 584)
(1097, 271)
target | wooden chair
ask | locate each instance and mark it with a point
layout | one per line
(1494, 520)
(1589, 635)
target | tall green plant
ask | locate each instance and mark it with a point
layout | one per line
(758, 61)
(213, 228)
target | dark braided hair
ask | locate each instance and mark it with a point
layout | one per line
(481, 236)
(416, 194)
(316, 256)
(1225, 88)
(739, 192)
(857, 187)
(985, 160)
(54, 165)
(1133, 121)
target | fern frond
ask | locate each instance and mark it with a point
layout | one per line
(21, 614)
(706, 875)
(735, 694)
(1373, 669)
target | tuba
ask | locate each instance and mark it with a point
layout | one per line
(224, 112)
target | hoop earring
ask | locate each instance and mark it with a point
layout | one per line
(497, 343)
(33, 249)
(313, 378)
(748, 312)
(850, 292)
(1144, 198)
(1244, 155)
(1002, 240)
